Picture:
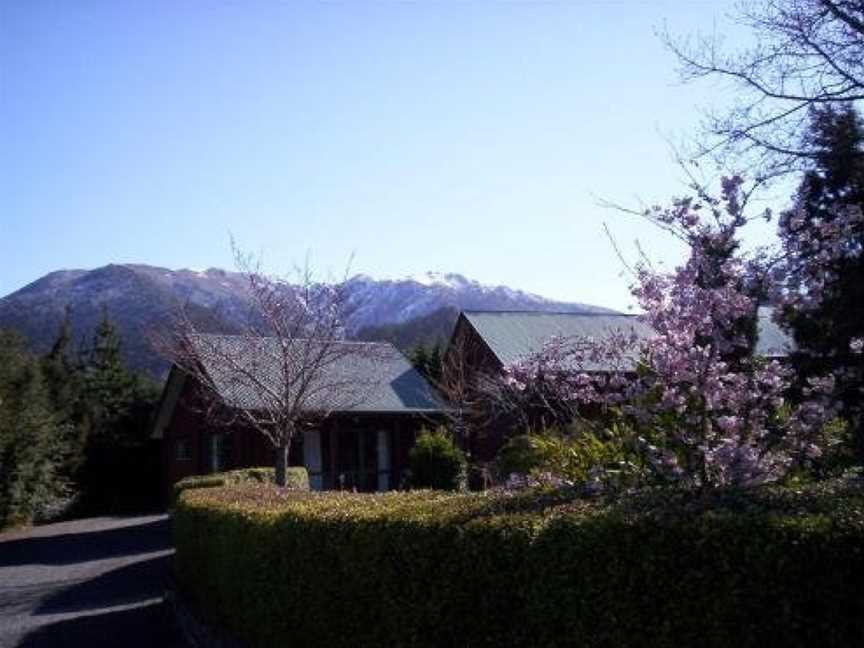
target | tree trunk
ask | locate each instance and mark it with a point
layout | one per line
(282, 463)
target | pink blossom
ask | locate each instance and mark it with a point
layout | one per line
(728, 423)
(720, 409)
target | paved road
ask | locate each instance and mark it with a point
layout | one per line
(96, 583)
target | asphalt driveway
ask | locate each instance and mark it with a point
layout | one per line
(94, 582)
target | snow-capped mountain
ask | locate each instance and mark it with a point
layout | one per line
(140, 298)
(384, 301)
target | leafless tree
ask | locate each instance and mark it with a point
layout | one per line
(469, 412)
(807, 54)
(287, 368)
(457, 386)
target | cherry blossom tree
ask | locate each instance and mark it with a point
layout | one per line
(711, 411)
(554, 385)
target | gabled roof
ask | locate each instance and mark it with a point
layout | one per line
(512, 335)
(357, 377)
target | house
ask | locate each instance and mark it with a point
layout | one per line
(362, 442)
(484, 342)
(495, 339)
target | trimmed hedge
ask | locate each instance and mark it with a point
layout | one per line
(297, 479)
(770, 568)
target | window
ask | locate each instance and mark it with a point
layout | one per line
(181, 450)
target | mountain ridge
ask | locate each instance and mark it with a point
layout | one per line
(140, 298)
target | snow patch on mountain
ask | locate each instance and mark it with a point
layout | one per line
(445, 279)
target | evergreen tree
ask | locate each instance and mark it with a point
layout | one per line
(419, 358)
(65, 423)
(118, 404)
(108, 386)
(428, 361)
(32, 453)
(826, 328)
(436, 364)
(56, 365)
(63, 385)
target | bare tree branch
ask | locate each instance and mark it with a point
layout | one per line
(808, 53)
(287, 368)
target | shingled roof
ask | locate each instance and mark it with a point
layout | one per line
(360, 377)
(512, 335)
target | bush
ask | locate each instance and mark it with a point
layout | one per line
(770, 567)
(580, 454)
(436, 462)
(521, 455)
(297, 479)
(837, 441)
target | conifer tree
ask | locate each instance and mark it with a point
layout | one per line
(117, 405)
(32, 453)
(63, 387)
(108, 385)
(823, 235)
(436, 362)
(428, 361)
(419, 358)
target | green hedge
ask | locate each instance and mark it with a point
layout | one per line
(297, 479)
(774, 568)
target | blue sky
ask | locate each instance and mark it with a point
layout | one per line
(466, 137)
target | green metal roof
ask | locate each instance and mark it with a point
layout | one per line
(512, 335)
(362, 377)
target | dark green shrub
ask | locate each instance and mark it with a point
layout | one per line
(297, 479)
(430, 569)
(521, 455)
(436, 461)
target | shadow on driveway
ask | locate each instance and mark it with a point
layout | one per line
(95, 582)
(150, 626)
(136, 583)
(86, 545)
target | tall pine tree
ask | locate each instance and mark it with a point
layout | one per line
(64, 390)
(33, 449)
(118, 404)
(825, 333)
(108, 386)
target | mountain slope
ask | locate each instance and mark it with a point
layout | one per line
(140, 300)
(400, 300)
(426, 330)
